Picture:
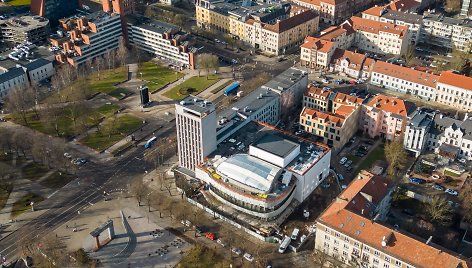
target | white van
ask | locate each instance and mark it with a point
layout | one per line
(295, 234)
(284, 245)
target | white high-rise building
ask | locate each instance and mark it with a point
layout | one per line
(196, 130)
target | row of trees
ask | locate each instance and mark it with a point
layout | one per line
(41, 149)
(207, 62)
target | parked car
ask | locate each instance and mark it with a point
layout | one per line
(325, 81)
(236, 251)
(438, 187)
(348, 163)
(217, 41)
(339, 82)
(325, 185)
(452, 192)
(359, 154)
(349, 169)
(200, 229)
(343, 160)
(340, 177)
(417, 180)
(353, 82)
(435, 177)
(462, 160)
(67, 155)
(210, 236)
(248, 257)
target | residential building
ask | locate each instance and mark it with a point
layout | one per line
(334, 11)
(13, 78)
(351, 64)
(385, 117)
(263, 174)
(350, 229)
(342, 36)
(334, 128)
(54, 9)
(446, 32)
(39, 70)
(380, 37)
(455, 90)
(417, 131)
(122, 8)
(376, 12)
(283, 36)
(451, 138)
(405, 80)
(316, 52)
(271, 28)
(166, 41)
(21, 29)
(466, 8)
(90, 36)
(318, 99)
(196, 131)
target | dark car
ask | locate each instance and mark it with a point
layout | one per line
(200, 229)
(359, 154)
(417, 180)
(370, 142)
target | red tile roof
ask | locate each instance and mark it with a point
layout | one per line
(327, 117)
(291, 22)
(389, 104)
(356, 61)
(457, 80)
(366, 25)
(346, 99)
(318, 44)
(399, 5)
(405, 73)
(345, 110)
(317, 93)
(349, 214)
(311, 2)
(334, 32)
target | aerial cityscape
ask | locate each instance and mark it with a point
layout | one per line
(236, 133)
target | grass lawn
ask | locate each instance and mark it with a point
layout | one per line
(56, 180)
(119, 93)
(353, 158)
(157, 75)
(123, 126)
(23, 204)
(199, 256)
(33, 171)
(198, 84)
(376, 154)
(107, 79)
(4, 196)
(108, 109)
(16, 3)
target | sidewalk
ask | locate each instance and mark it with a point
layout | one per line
(207, 94)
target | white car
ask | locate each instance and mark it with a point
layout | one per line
(67, 155)
(343, 161)
(221, 242)
(325, 81)
(236, 251)
(462, 160)
(435, 177)
(452, 192)
(248, 257)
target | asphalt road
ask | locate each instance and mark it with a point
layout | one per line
(66, 204)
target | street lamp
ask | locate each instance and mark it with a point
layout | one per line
(141, 75)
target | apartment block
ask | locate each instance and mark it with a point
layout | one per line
(405, 80)
(455, 90)
(165, 41)
(318, 99)
(334, 11)
(21, 29)
(385, 117)
(316, 52)
(54, 9)
(90, 36)
(405, 6)
(466, 8)
(282, 36)
(350, 229)
(446, 32)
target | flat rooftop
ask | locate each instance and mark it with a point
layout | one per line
(285, 80)
(152, 25)
(276, 144)
(196, 104)
(274, 140)
(39, 52)
(24, 23)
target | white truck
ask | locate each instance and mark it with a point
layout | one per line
(284, 245)
(295, 233)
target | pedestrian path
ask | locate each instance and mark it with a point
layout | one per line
(207, 93)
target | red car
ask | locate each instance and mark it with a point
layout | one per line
(210, 236)
(353, 82)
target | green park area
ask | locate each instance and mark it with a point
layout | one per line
(157, 76)
(200, 256)
(67, 121)
(378, 153)
(106, 80)
(112, 130)
(193, 85)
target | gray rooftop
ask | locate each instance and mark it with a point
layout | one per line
(37, 64)
(442, 122)
(421, 119)
(197, 104)
(10, 74)
(276, 144)
(448, 20)
(39, 52)
(152, 25)
(403, 16)
(285, 80)
(24, 23)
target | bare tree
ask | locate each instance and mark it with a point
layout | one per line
(396, 156)
(19, 101)
(466, 198)
(99, 63)
(169, 184)
(139, 190)
(439, 210)
(122, 51)
(206, 61)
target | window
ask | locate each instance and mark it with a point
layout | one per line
(387, 259)
(376, 253)
(346, 246)
(375, 261)
(346, 239)
(398, 263)
(386, 265)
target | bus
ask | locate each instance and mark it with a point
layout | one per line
(232, 89)
(284, 245)
(150, 143)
